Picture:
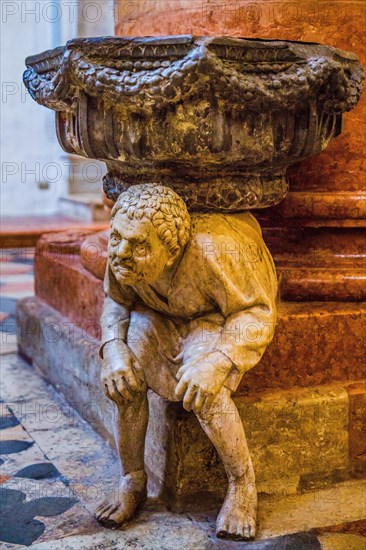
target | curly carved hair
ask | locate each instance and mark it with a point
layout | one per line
(163, 207)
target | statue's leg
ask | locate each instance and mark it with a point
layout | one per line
(130, 431)
(151, 339)
(222, 424)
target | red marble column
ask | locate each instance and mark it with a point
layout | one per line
(337, 23)
(316, 233)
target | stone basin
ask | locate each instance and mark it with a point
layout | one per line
(219, 119)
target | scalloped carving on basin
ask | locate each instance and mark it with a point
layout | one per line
(218, 119)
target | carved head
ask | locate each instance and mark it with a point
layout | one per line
(150, 227)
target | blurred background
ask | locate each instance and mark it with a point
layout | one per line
(37, 177)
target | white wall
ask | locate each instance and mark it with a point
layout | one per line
(31, 157)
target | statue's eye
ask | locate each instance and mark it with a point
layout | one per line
(140, 248)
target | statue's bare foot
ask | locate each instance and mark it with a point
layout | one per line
(237, 517)
(120, 506)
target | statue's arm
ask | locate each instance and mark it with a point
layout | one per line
(114, 323)
(121, 374)
(246, 334)
(115, 318)
(244, 292)
(244, 289)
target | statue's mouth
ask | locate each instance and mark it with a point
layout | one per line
(122, 267)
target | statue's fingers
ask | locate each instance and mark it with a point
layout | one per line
(139, 372)
(199, 401)
(189, 397)
(113, 394)
(132, 381)
(106, 390)
(123, 390)
(180, 390)
(181, 371)
(179, 374)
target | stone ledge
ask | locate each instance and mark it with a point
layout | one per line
(25, 231)
(299, 438)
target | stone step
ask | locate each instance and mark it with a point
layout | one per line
(300, 438)
(84, 206)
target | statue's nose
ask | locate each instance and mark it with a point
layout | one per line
(124, 249)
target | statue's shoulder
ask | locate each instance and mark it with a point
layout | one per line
(228, 241)
(218, 228)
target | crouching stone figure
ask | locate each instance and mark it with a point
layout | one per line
(189, 308)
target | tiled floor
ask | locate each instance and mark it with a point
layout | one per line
(54, 469)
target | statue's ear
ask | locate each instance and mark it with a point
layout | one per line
(172, 257)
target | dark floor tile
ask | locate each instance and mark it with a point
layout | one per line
(8, 422)
(18, 525)
(14, 446)
(44, 470)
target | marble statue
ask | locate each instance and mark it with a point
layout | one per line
(189, 308)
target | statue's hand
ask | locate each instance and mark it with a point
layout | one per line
(201, 379)
(121, 374)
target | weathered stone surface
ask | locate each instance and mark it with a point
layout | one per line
(88, 466)
(327, 190)
(316, 266)
(43, 337)
(272, 423)
(357, 425)
(314, 343)
(341, 541)
(318, 512)
(334, 205)
(300, 94)
(93, 253)
(178, 453)
(164, 531)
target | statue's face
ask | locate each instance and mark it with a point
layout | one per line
(136, 253)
